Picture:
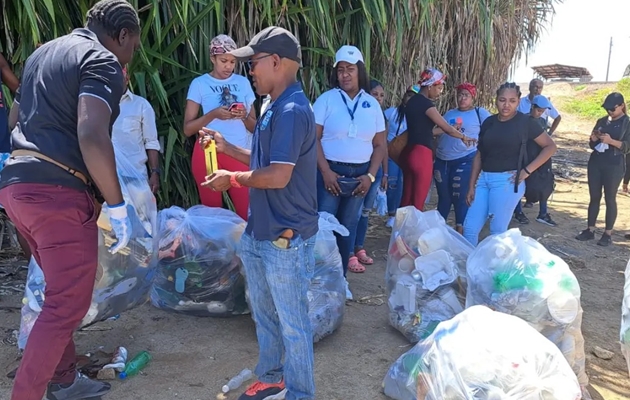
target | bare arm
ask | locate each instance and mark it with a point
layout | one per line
(96, 147)
(154, 159)
(250, 121)
(476, 170)
(442, 124)
(238, 153)
(8, 77)
(322, 164)
(555, 124)
(275, 176)
(379, 153)
(192, 122)
(548, 149)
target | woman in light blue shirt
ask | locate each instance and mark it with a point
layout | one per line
(453, 159)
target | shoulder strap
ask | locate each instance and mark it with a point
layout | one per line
(522, 156)
(399, 125)
(478, 116)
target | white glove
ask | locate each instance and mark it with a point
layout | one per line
(121, 225)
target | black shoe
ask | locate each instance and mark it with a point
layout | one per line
(585, 235)
(528, 205)
(521, 218)
(606, 240)
(546, 219)
(81, 388)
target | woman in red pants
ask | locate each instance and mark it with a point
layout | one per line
(417, 157)
(226, 101)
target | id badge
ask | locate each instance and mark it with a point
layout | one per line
(352, 130)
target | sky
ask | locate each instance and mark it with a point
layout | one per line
(579, 35)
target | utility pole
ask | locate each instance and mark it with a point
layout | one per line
(609, 53)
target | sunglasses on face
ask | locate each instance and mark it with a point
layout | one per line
(612, 109)
(251, 62)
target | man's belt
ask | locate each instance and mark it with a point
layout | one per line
(31, 153)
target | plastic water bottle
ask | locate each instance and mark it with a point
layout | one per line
(136, 365)
(238, 380)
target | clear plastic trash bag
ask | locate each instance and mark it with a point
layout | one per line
(327, 293)
(516, 275)
(123, 280)
(482, 355)
(199, 271)
(624, 334)
(381, 202)
(426, 272)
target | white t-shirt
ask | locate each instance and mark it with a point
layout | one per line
(212, 93)
(332, 113)
(392, 117)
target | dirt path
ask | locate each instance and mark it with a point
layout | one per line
(194, 357)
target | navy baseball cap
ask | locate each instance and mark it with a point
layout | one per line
(613, 100)
(271, 40)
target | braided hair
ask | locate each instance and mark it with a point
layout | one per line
(509, 85)
(112, 16)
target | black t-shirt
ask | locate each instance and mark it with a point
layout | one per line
(615, 130)
(5, 139)
(54, 78)
(419, 125)
(500, 141)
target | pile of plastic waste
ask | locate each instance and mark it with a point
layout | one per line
(482, 354)
(199, 271)
(426, 270)
(123, 280)
(624, 334)
(516, 275)
(327, 293)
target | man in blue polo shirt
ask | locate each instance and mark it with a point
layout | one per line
(278, 244)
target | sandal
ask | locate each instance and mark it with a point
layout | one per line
(364, 258)
(355, 266)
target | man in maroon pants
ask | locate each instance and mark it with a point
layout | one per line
(62, 158)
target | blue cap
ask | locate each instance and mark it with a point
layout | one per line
(541, 101)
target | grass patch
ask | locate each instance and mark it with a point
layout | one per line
(589, 105)
(579, 87)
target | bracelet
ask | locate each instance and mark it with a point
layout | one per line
(526, 171)
(234, 182)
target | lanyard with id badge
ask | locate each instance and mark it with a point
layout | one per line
(352, 130)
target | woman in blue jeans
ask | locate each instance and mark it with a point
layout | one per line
(397, 124)
(378, 92)
(453, 159)
(351, 146)
(497, 180)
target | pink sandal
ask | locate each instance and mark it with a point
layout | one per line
(364, 258)
(355, 266)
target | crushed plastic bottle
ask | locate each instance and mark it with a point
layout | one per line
(118, 360)
(238, 380)
(136, 365)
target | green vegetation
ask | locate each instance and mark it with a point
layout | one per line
(470, 40)
(589, 105)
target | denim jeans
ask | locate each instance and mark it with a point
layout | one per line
(345, 209)
(364, 212)
(452, 179)
(394, 187)
(494, 199)
(277, 282)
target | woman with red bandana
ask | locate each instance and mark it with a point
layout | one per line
(417, 157)
(226, 100)
(453, 159)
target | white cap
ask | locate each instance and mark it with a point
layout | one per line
(349, 54)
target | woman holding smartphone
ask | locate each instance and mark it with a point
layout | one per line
(610, 141)
(226, 101)
(351, 147)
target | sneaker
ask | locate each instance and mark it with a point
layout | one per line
(606, 240)
(390, 222)
(348, 292)
(528, 205)
(546, 219)
(82, 388)
(585, 235)
(265, 391)
(521, 218)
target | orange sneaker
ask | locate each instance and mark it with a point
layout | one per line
(265, 391)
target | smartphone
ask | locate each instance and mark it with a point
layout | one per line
(236, 106)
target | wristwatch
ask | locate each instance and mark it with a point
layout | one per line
(372, 178)
(156, 171)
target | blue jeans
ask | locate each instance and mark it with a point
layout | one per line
(452, 179)
(394, 187)
(364, 212)
(494, 199)
(542, 211)
(345, 209)
(278, 281)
